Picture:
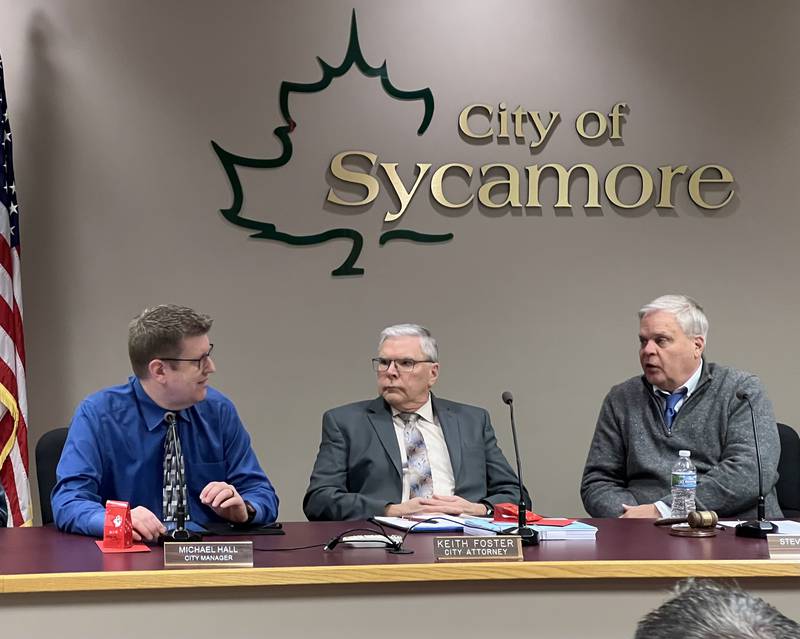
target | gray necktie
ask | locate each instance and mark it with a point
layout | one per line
(419, 468)
(174, 480)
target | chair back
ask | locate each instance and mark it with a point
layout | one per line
(788, 486)
(48, 452)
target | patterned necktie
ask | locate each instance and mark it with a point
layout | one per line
(174, 472)
(670, 401)
(419, 469)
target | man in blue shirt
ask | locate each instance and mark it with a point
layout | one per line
(118, 438)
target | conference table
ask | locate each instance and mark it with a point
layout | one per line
(61, 584)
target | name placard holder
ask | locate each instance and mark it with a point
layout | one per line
(480, 548)
(784, 546)
(204, 554)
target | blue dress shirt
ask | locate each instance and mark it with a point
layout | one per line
(115, 450)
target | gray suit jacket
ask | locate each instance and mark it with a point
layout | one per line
(358, 468)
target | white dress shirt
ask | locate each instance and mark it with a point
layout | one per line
(438, 457)
(690, 386)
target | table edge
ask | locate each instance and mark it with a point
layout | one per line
(404, 573)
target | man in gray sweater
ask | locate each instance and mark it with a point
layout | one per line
(681, 402)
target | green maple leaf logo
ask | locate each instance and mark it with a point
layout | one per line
(267, 230)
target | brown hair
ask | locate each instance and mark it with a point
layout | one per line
(158, 332)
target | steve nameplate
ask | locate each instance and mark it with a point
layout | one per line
(783, 546)
(505, 548)
(204, 554)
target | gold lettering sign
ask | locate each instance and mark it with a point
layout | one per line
(709, 187)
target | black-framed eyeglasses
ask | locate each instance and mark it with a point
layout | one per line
(404, 365)
(199, 361)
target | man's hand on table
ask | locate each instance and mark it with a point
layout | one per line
(445, 504)
(146, 526)
(224, 500)
(645, 511)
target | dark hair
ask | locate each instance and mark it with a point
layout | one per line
(158, 332)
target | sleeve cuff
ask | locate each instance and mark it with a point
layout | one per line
(97, 522)
(260, 512)
(663, 509)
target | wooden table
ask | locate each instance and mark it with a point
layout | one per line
(564, 588)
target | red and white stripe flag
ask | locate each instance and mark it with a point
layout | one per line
(13, 399)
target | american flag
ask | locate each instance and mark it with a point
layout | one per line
(13, 398)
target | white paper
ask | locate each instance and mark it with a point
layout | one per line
(444, 523)
(785, 526)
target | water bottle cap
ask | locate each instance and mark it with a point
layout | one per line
(685, 453)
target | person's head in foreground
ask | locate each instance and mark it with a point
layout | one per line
(708, 610)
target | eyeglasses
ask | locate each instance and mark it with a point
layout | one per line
(405, 365)
(199, 361)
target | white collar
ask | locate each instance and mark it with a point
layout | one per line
(425, 411)
(690, 385)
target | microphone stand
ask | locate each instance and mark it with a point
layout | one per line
(761, 527)
(179, 533)
(529, 536)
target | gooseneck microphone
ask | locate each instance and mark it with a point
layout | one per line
(530, 537)
(179, 533)
(759, 527)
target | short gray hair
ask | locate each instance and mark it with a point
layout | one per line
(158, 332)
(426, 341)
(688, 313)
(708, 610)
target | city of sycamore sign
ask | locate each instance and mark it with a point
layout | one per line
(494, 185)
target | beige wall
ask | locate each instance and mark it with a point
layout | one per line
(113, 105)
(539, 608)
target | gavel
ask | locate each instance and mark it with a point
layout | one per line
(696, 519)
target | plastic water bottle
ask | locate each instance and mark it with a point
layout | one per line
(684, 485)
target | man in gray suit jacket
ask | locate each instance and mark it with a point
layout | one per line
(407, 452)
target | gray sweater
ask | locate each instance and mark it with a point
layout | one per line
(632, 452)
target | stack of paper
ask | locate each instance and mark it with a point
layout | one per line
(575, 530)
(477, 526)
(439, 524)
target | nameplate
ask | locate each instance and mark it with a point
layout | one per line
(203, 554)
(499, 548)
(784, 546)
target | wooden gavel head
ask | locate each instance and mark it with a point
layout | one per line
(702, 519)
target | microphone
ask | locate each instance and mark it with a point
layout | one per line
(530, 537)
(180, 533)
(332, 543)
(759, 527)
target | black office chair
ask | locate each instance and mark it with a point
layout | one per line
(48, 452)
(789, 469)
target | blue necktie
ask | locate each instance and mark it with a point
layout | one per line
(670, 402)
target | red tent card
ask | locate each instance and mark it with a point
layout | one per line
(554, 521)
(509, 513)
(117, 528)
(133, 548)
